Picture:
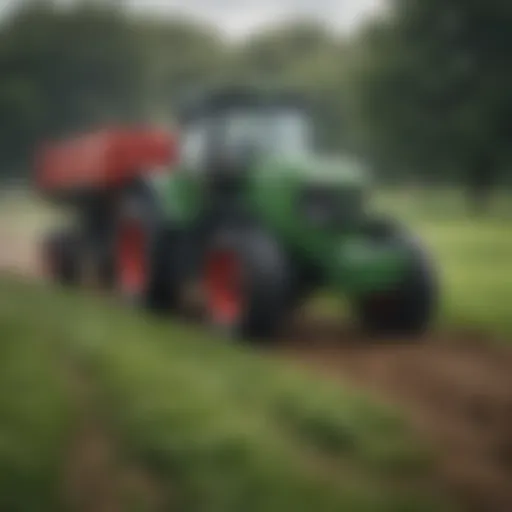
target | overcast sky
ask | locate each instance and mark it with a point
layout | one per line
(238, 18)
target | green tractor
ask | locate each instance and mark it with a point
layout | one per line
(257, 222)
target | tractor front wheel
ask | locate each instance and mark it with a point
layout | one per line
(406, 309)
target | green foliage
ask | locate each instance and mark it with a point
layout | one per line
(222, 428)
(422, 93)
(74, 69)
(432, 86)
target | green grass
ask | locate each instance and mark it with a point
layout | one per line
(474, 256)
(220, 427)
(35, 413)
(476, 264)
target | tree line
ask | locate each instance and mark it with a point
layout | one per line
(424, 94)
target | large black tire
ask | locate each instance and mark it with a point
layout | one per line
(96, 265)
(264, 284)
(158, 290)
(407, 309)
(61, 257)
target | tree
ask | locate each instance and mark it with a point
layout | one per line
(432, 83)
(176, 55)
(305, 55)
(64, 70)
(71, 69)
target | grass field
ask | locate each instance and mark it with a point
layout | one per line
(217, 427)
(35, 415)
(474, 256)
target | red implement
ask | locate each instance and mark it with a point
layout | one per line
(103, 160)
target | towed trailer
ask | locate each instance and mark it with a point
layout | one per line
(92, 174)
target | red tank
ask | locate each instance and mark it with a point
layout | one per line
(103, 160)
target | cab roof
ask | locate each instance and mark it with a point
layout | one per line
(214, 99)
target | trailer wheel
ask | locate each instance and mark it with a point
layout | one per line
(246, 279)
(61, 258)
(408, 309)
(145, 272)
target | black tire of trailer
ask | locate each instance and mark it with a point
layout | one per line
(146, 269)
(61, 257)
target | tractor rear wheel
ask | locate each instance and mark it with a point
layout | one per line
(144, 268)
(408, 308)
(246, 280)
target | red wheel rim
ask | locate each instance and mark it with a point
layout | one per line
(131, 258)
(223, 287)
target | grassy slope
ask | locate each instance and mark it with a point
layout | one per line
(474, 256)
(217, 424)
(35, 413)
(222, 428)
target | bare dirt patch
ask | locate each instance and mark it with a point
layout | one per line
(18, 254)
(456, 391)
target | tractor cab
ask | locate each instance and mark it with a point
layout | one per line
(224, 131)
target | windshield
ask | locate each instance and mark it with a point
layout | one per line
(279, 131)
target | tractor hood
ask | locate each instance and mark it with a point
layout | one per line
(334, 172)
(309, 193)
(293, 175)
(329, 171)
